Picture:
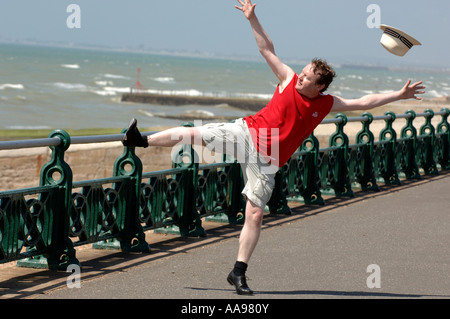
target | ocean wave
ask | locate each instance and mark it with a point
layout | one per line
(111, 91)
(147, 113)
(198, 113)
(71, 86)
(115, 76)
(104, 93)
(254, 96)
(117, 89)
(167, 80)
(104, 83)
(434, 93)
(344, 88)
(11, 86)
(70, 66)
(23, 127)
(355, 76)
(386, 91)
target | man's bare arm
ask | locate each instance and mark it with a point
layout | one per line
(375, 100)
(265, 45)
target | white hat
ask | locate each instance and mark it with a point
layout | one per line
(396, 41)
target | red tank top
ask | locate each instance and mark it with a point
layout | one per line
(280, 128)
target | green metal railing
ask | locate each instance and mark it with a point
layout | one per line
(44, 224)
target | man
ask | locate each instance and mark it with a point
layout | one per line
(270, 137)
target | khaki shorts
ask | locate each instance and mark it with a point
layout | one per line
(234, 139)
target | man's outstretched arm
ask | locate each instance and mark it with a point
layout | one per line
(374, 100)
(283, 72)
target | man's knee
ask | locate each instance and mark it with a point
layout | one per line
(254, 213)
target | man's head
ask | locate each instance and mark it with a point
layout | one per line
(315, 78)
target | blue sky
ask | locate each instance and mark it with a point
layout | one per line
(300, 29)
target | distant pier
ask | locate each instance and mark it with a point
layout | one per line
(179, 100)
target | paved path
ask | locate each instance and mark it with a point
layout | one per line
(318, 252)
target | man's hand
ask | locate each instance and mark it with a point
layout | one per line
(247, 8)
(410, 91)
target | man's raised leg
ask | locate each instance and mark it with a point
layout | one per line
(166, 138)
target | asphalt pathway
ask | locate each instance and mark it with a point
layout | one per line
(394, 244)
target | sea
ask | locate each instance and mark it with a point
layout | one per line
(45, 87)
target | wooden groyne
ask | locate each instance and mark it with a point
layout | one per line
(178, 100)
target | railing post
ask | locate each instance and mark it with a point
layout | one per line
(339, 140)
(190, 224)
(132, 236)
(365, 136)
(443, 129)
(11, 224)
(278, 202)
(235, 200)
(409, 133)
(311, 190)
(389, 136)
(427, 133)
(57, 172)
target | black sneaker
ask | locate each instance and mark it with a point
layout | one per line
(133, 137)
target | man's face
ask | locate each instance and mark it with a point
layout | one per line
(307, 82)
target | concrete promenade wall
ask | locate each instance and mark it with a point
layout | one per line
(21, 168)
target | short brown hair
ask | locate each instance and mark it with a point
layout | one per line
(325, 72)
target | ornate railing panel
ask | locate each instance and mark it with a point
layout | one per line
(44, 224)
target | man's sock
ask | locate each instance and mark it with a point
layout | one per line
(240, 268)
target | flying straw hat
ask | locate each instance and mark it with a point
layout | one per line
(396, 41)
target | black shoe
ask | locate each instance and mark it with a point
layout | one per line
(133, 137)
(239, 283)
